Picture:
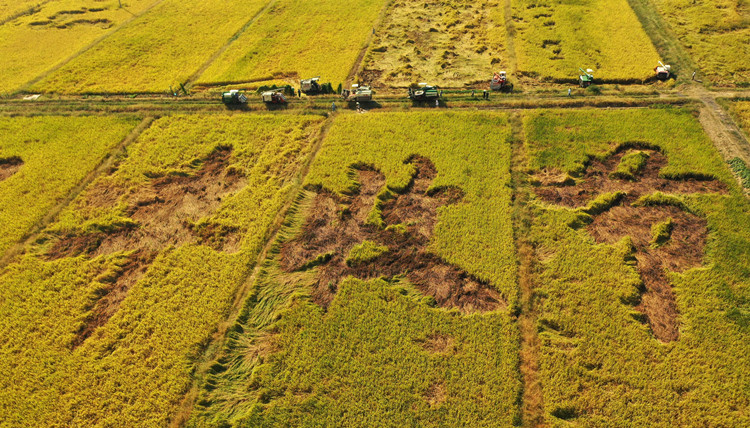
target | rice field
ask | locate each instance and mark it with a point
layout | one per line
(103, 320)
(554, 39)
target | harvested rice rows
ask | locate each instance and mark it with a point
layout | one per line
(292, 41)
(553, 39)
(716, 34)
(42, 159)
(643, 245)
(33, 43)
(447, 43)
(387, 298)
(159, 50)
(103, 320)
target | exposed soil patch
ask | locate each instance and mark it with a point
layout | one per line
(436, 394)
(9, 166)
(683, 249)
(336, 225)
(165, 212)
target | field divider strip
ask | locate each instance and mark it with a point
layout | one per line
(86, 48)
(510, 34)
(357, 66)
(107, 162)
(197, 75)
(216, 345)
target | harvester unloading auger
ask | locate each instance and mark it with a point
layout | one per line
(586, 78)
(500, 82)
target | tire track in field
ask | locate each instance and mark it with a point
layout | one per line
(357, 66)
(532, 405)
(197, 75)
(108, 162)
(86, 48)
(212, 349)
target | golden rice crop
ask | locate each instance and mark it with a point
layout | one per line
(162, 48)
(135, 368)
(56, 153)
(553, 39)
(32, 44)
(291, 41)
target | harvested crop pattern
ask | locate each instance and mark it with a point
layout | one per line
(145, 55)
(447, 43)
(42, 159)
(554, 39)
(368, 290)
(10, 9)
(33, 43)
(716, 34)
(291, 42)
(642, 280)
(741, 110)
(127, 287)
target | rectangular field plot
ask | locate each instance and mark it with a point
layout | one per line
(716, 35)
(102, 321)
(162, 48)
(291, 42)
(555, 38)
(42, 159)
(642, 240)
(387, 299)
(447, 43)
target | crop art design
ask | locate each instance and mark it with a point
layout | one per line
(9, 166)
(624, 197)
(377, 233)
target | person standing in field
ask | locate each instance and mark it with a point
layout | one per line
(333, 106)
(568, 91)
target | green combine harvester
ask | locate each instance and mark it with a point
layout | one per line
(585, 79)
(234, 97)
(425, 92)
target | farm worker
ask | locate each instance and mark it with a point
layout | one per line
(568, 91)
(437, 103)
(693, 75)
(441, 94)
(299, 93)
(472, 93)
(333, 106)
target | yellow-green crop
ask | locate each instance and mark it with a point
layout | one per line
(56, 153)
(135, 368)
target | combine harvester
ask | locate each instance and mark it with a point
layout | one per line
(586, 78)
(273, 97)
(234, 97)
(500, 82)
(358, 93)
(663, 72)
(311, 86)
(424, 93)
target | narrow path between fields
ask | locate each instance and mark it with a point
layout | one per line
(208, 357)
(108, 162)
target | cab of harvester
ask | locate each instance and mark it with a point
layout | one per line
(233, 97)
(586, 78)
(663, 72)
(310, 86)
(273, 97)
(424, 92)
(500, 82)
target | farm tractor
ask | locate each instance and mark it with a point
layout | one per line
(663, 72)
(585, 79)
(273, 97)
(233, 97)
(358, 93)
(311, 86)
(425, 92)
(500, 82)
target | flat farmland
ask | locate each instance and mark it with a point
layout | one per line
(42, 159)
(716, 35)
(104, 317)
(447, 43)
(290, 43)
(554, 39)
(642, 242)
(411, 232)
(146, 56)
(49, 34)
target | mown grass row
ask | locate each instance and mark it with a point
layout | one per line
(134, 369)
(51, 155)
(379, 355)
(599, 364)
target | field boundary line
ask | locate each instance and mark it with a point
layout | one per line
(109, 160)
(532, 403)
(198, 73)
(86, 48)
(216, 345)
(357, 66)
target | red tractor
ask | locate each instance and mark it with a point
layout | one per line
(500, 82)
